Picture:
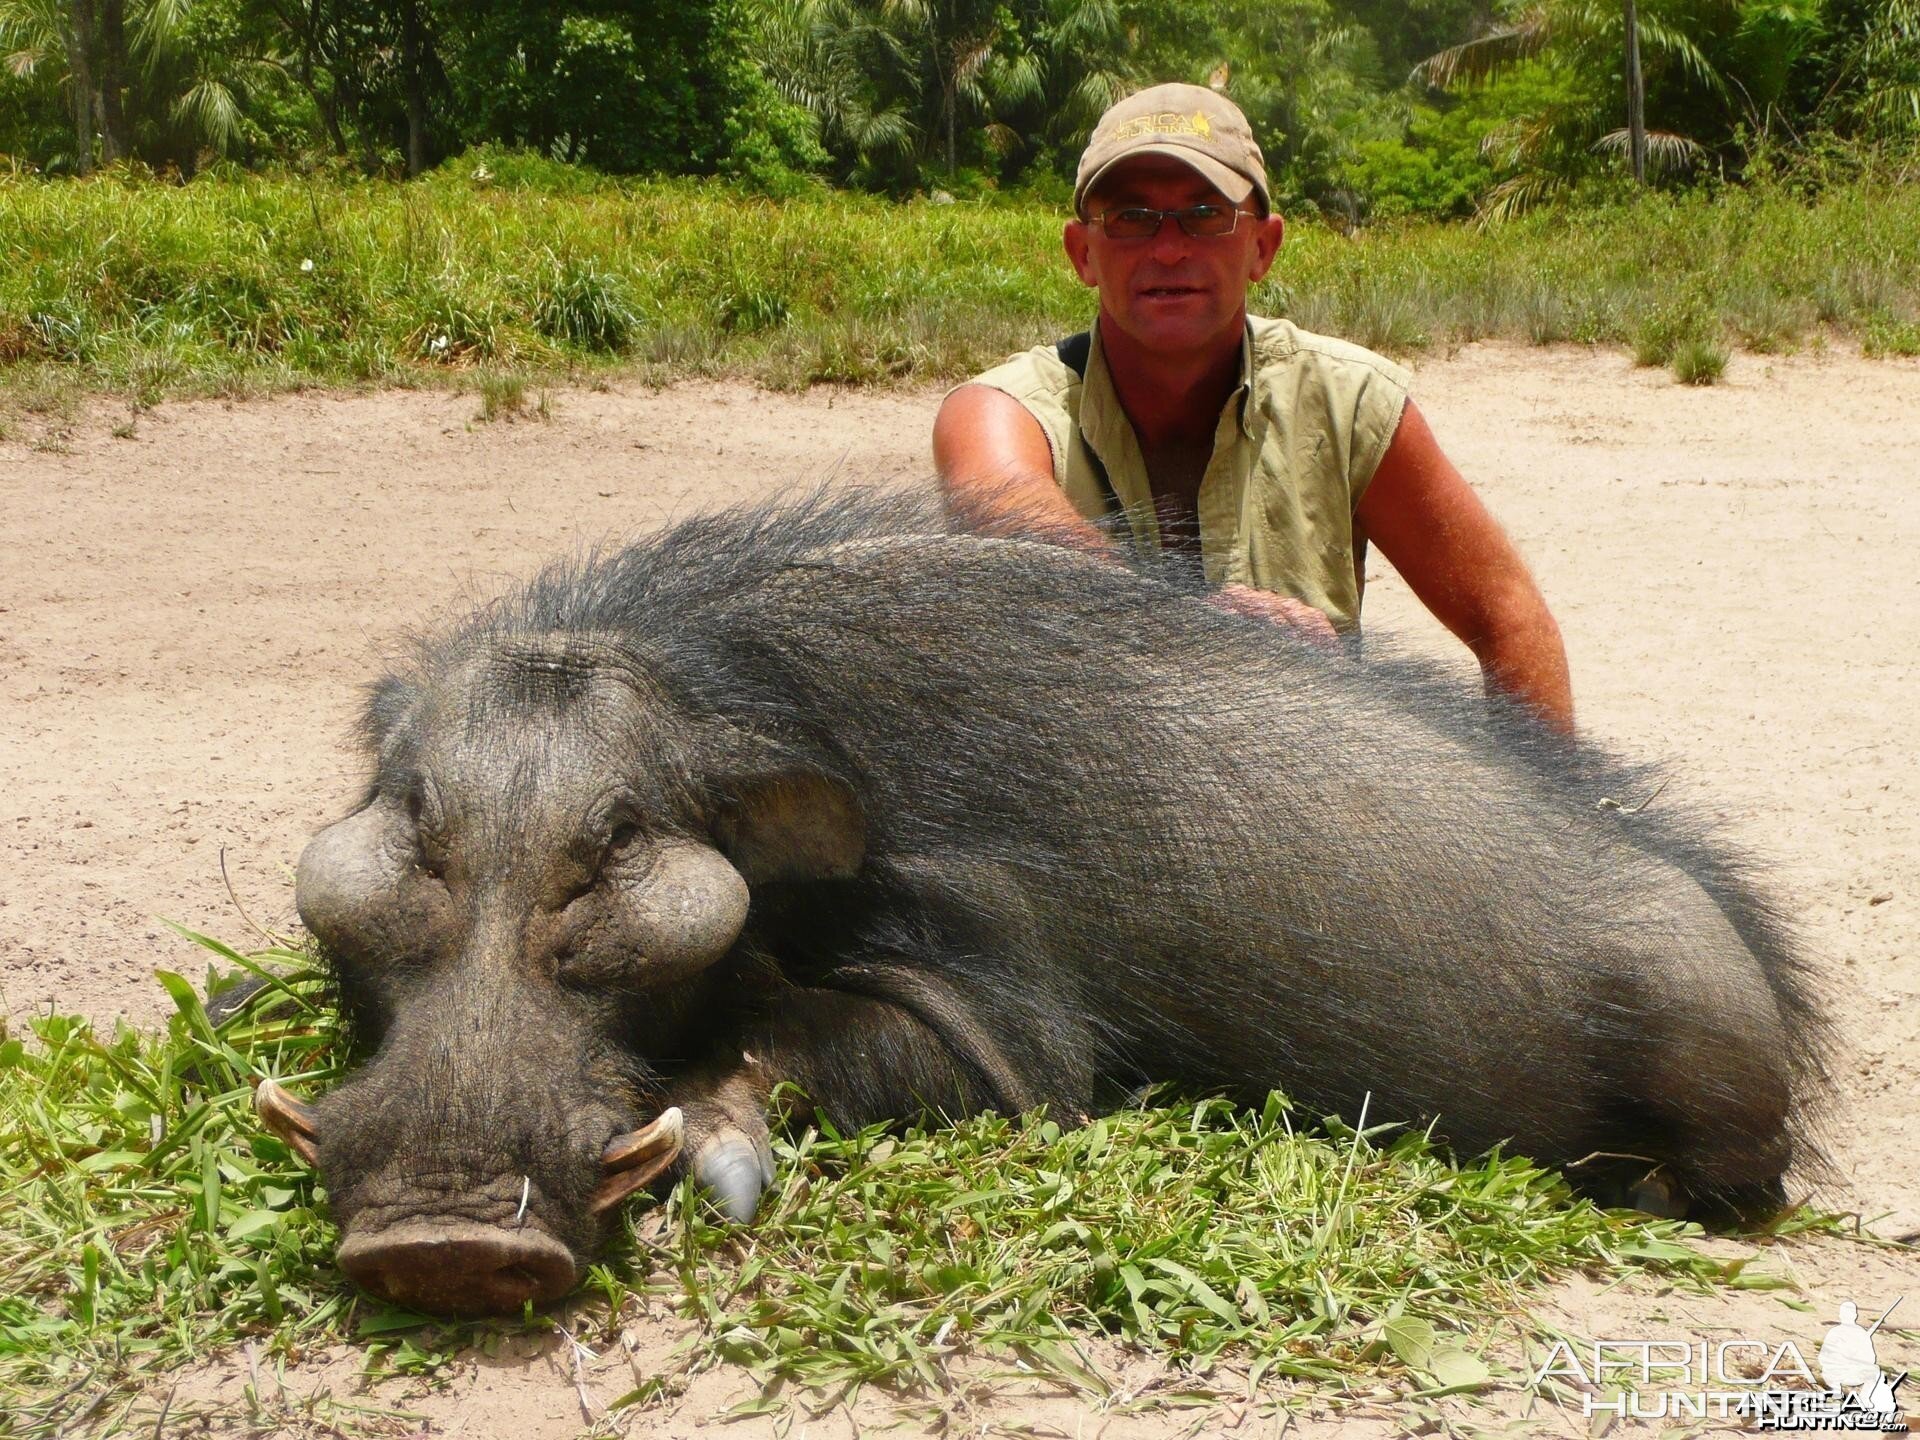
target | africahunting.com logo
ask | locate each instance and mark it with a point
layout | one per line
(1767, 1384)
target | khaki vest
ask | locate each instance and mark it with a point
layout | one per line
(1293, 453)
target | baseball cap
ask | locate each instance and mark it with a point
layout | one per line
(1189, 123)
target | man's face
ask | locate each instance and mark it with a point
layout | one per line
(1171, 292)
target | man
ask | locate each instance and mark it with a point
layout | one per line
(1280, 453)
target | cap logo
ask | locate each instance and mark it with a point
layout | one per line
(1164, 122)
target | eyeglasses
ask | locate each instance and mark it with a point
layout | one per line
(1136, 222)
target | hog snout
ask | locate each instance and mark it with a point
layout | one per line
(459, 1267)
(461, 1238)
(456, 1266)
(450, 1242)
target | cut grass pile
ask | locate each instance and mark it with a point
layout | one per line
(257, 282)
(146, 1220)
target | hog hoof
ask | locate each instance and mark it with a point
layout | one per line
(1657, 1195)
(735, 1168)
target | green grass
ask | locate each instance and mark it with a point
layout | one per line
(503, 396)
(240, 283)
(1699, 361)
(1886, 336)
(147, 1220)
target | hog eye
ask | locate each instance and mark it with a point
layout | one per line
(429, 851)
(622, 835)
(428, 858)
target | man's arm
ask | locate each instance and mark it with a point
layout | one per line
(1453, 554)
(994, 460)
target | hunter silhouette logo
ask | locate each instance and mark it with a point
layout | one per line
(1850, 1365)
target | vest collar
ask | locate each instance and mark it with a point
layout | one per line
(1100, 403)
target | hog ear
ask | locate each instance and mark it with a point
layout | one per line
(793, 827)
(388, 700)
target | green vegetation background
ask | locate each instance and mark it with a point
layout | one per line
(506, 264)
(867, 190)
(1367, 109)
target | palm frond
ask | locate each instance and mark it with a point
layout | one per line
(1662, 39)
(1083, 24)
(211, 111)
(881, 132)
(1515, 196)
(1587, 25)
(915, 12)
(969, 57)
(1895, 23)
(1667, 152)
(1020, 79)
(1522, 142)
(1098, 89)
(34, 30)
(1339, 52)
(156, 32)
(1893, 107)
(1474, 62)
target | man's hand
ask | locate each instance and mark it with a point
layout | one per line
(1281, 609)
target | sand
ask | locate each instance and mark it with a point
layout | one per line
(187, 614)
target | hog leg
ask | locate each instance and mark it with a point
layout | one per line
(852, 1057)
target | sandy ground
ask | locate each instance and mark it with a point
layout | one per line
(186, 616)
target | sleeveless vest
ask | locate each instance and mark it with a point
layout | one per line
(1293, 452)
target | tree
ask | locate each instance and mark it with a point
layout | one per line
(902, 87)
(1585, 40)
(1310, 82)
(81, 42)
(157, 80)
(812, 53)
(1871, 87)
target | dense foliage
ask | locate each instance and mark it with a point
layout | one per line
(627, 85)
(1367, 108)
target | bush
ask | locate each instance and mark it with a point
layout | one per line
(502, 394)
(514, 167)
(1438, 166)
(1886, 336)
(1662, 331)
(457, 325)
(771, 145)
(587, 306)
(1699, 361)
(1396, 179)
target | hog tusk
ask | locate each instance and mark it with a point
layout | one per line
(666, 1133)
(289, 1119)
(634, 1159)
